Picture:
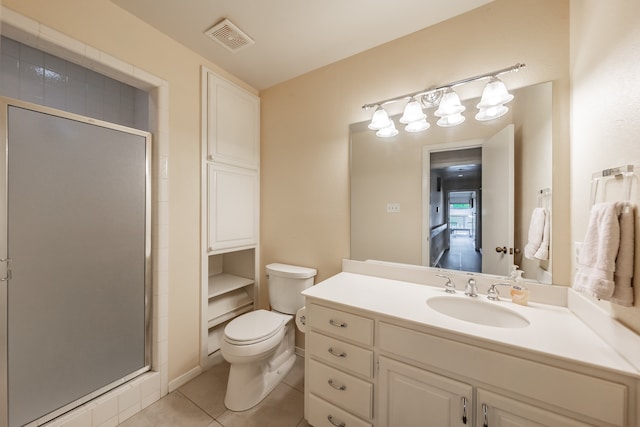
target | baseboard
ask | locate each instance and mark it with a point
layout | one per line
(300, 351)
(184, 378)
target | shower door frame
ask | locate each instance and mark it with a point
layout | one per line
(5, 272)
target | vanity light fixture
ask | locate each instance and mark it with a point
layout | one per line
(450, 109)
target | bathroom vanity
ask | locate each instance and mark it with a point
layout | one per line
(378, 354)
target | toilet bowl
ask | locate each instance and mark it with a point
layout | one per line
(260, 345)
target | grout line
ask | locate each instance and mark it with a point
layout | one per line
(196, 405)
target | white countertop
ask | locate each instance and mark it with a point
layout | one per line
(553, 331)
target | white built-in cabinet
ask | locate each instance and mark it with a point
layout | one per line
(233, 197)
(230, 206)
(363, 369)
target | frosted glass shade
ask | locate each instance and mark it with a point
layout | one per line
(494, 94)
(388, 132)
(418, 126)
(449, 105)
(451, 120)
(412, 112)
(380, 119)
(491, 113)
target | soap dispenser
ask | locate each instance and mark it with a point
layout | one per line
(519, 293)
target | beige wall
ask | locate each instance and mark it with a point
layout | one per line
(305, 121)
(104, 26)
(605, 108)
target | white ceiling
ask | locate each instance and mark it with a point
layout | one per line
(292, 37)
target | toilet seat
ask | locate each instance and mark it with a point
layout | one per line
(253, 327)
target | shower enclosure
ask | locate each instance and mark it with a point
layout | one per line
(74, 260)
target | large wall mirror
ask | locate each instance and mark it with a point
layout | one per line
(432, 198)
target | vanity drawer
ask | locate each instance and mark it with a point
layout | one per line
(351, 327)
(342, 389)
(323, 414)
(340, 354)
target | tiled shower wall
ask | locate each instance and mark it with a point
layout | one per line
(34, 76)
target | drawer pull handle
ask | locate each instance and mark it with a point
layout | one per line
(485, 410)
(336, 423)
(464, 410)
(340, 387)
(334, 353)
(337, 324)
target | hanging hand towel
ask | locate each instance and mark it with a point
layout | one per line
(598, 254)
(623, 290)
(538, 244)
(543, 251)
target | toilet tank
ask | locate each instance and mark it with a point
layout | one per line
(285, 284)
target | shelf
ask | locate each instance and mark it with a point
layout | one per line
(227, 303)
(212, 323)
(220, 284)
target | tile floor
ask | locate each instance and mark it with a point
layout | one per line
(200, 403)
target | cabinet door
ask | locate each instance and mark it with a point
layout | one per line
(495, 410)
(409, 396)
(233, 124)
(233, 207)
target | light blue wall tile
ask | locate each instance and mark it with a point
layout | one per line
(76, 93)
(55, 96)
(10, 47)
(35, 76)
(9, 75)
(32, 56)
(31, 82)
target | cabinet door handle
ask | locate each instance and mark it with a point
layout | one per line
(340, 387)
(485, 415)
(335, 423)
(464, 410)
(336, 354)
(337, 324)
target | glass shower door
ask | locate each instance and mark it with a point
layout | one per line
(77, 235)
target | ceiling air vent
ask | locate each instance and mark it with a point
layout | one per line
(229, 36)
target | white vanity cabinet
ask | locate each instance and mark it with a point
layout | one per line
(379, 367)
(339, 368)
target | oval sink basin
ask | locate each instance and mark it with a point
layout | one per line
(477, 311)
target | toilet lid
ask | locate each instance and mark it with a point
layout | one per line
(254, 326)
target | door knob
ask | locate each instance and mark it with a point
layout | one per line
(501, 249)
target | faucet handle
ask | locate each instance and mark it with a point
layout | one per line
(471, 288)
(493, 294)
(449, 286)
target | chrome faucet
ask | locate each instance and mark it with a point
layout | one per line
(493, 293)
(471, 289)
(449, 287)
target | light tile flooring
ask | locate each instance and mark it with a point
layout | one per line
(200, 403)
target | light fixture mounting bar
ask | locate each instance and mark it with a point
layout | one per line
(513, 68)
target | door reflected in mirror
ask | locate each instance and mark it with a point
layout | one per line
(471, 212)
(391, 172)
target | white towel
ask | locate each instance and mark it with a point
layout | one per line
(600, 250)
(538, 244)
(623, 275)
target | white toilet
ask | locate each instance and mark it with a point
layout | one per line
(260, 345)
